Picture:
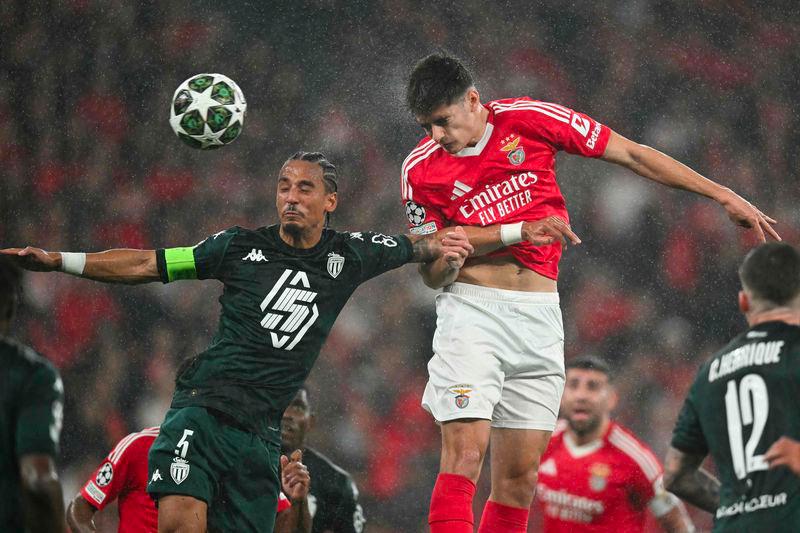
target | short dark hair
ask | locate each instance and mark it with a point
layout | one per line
(436, 80)
(10, 288)
(590, 362)
(771, 273)
(329, 174)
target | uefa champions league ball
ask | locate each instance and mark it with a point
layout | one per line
(207, 111)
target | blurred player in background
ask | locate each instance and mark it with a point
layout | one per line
(31, 408)
(743, 402)
(333, 500)
(595, 475)
(214, 464)
(123, 476)
(497, 372)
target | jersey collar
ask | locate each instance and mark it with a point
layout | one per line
(273, 231)
(579, 451)
(478, 148)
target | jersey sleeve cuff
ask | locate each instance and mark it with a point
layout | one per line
(409, 247)
(161, 263)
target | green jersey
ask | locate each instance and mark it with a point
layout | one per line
(742, 401)
(31, 407)
(278, 306)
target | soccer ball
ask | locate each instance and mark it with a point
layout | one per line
(207, 111)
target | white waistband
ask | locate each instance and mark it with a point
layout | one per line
(504, 295)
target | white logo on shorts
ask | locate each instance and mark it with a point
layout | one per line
(179, 470)
(156, 476)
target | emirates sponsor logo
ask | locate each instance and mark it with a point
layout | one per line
(499, 200)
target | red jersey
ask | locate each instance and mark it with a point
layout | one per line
(604, 486)
(509, 176)
(123, 475)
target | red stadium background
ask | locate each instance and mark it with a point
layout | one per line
(87, 162)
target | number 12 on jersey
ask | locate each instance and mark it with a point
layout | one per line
(747, 404)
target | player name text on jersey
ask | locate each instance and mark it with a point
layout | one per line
(757, 354)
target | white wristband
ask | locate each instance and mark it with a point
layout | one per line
(73, 262)
(511, 233)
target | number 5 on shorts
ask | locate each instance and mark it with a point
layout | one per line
(183, 444)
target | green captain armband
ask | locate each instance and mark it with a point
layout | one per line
(179, 263)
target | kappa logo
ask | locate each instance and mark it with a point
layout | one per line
(255, 256)
(292, 310)
(156, 476)
(548, 468)
(459, 190)
(516, 154)
(179, 470)
(335, 264)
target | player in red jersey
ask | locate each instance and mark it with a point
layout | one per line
(595, 475)
(497, 372)
(123, 476)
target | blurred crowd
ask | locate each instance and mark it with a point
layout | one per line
(88, 162)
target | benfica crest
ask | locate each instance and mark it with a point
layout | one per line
(462, 395)
(335, 264)
(516, 154)
(179, 470)
(599, 476)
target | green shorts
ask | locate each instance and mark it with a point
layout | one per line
(234, 471)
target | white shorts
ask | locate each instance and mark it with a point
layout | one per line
(498, 355)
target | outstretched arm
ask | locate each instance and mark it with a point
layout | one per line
(659, 167)
(483, 240)
(684, 478)
(112, 266)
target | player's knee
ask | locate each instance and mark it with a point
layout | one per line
(516, 489)
(463, 460)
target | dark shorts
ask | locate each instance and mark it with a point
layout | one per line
(202, 455)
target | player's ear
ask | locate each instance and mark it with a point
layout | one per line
(744, 302)
(473, 100)
(331, 202)
(613, 398)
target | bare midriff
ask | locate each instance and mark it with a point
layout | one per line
(504, 272)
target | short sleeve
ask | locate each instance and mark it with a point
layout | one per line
(201, 261)
(349, 515)
(111, 477)
(564, 128)
(41, 413)
(688, 433)
(379, 253)
(423, 220)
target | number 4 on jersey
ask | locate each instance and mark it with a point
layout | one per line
(748, 404)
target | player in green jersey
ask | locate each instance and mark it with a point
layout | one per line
(31, 400)
(215, 462)
(742, 402)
